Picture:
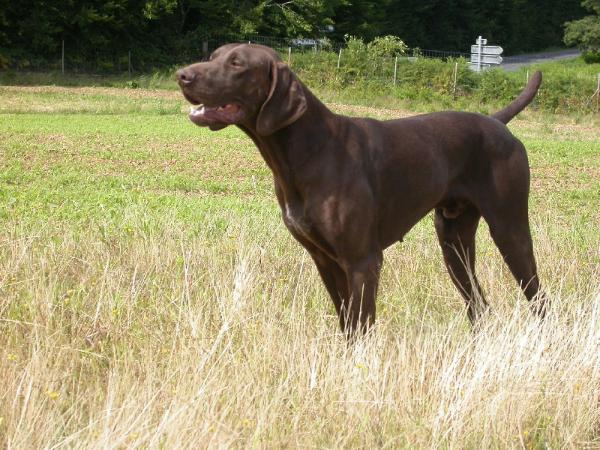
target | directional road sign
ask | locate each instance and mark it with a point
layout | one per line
(486, 59)
(482, 55)
(487, 49)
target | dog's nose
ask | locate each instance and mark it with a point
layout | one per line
(185, 76)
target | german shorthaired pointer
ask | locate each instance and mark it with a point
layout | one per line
(350, 187)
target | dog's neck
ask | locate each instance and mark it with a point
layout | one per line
(290, 147)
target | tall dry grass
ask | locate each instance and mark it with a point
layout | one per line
(162, 340)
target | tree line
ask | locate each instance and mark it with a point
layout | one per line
(162, 32)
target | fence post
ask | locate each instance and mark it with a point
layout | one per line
(290, 56)
(395, 69)
(129, 63)
(62, 58)
(205, 50)
(455, 79)
(339, 58)
(597, 93)
(479, 52)
(527, 77)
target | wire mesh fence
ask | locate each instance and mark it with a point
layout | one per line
(321, 62)
(69, 57)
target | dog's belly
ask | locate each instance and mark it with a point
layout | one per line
(397, 226)
(400, 213)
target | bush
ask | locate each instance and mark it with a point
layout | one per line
(4, 62)
(496, 85)
(426, 84)
(374, 58)
(387, 47)
(591, 57)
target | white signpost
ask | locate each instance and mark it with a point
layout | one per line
(483, 56)
(486, 59)
(488, 49)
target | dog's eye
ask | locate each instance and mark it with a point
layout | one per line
(235, 62)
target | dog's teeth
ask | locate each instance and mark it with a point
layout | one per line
(197, 111)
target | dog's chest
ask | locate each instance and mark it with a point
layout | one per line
(295, 220)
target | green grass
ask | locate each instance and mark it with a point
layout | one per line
(150, 296)
(91, 167)
(425, 85)
(94, 151)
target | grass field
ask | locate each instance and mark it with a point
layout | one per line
(150, 297)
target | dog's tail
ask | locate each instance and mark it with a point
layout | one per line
(505, 115)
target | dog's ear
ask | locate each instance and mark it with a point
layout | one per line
(285, 103)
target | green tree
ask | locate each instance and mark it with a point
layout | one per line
(585, 33)
(361, 18)
(162, 32)
(298, 18)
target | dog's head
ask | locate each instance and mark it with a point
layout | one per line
(243, 84)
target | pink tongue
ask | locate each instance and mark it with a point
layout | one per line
(230, 108)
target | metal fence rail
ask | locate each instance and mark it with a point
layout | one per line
(70, 58)
(439, 54)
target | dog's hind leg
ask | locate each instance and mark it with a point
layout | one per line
(456, 234)
(504, 206)
(513, 239)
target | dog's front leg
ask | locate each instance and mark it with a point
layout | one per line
(358, 310)
(333, 277)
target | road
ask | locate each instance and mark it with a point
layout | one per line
(511, 63)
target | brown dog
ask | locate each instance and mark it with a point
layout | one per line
(350, 187)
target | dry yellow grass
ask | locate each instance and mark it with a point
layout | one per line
(165, 342)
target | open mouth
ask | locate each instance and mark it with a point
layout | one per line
(223, 115)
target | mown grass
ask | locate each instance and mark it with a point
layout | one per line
(151, 297)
